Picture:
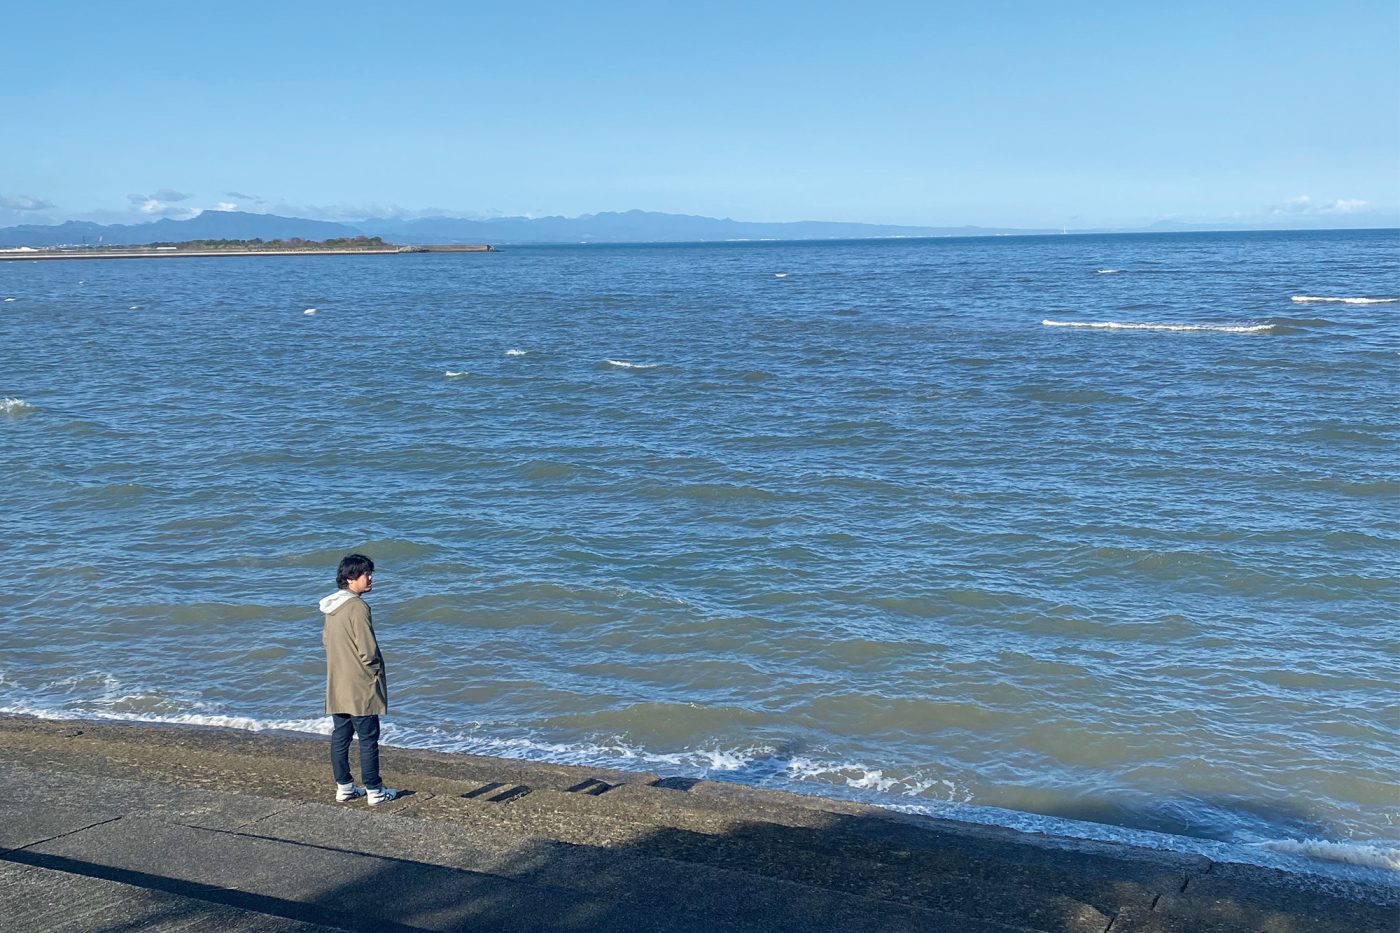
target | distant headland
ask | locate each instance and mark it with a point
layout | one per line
(295, 246)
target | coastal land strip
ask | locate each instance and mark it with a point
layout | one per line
(119, 826)
(156, 253)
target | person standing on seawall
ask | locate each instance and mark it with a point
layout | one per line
(357, 692)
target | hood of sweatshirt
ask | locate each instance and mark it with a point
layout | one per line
(337, 599)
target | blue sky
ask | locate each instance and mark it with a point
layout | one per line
(996, 113)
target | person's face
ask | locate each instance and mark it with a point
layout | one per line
(361, 584)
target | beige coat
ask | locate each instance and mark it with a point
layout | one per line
(355, 682)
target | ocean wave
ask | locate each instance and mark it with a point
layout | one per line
(1107, 271)
(623, 364)
(760, 765)
(15, 406)
(863, 777)
(455, 374)
(766, 766)
(516, 352)
(1315, 299)
(317, 726)
(1351, 853)
(309, 311)
(1117, 325)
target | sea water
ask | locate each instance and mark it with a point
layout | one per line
(1023, 530)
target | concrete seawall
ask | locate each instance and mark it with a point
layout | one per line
(107, 826)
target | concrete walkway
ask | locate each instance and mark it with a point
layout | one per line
(117, 827)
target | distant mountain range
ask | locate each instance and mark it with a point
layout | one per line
(210, 225)
(641, 227)
(610, 227)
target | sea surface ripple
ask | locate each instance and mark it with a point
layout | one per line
(941, 524)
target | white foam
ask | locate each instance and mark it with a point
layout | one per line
(515, 352)
(10, 299)
(863, 777)
(1107, 271)
(763, 765)
(136, 307)
(1371, 856)
(14, 406)
(309, 311)
(320, 726)
(1117, 325)
(623, 364)
(1314, 299)
(779, 275)
(454, 374)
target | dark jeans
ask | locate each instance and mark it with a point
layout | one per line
(367, 729)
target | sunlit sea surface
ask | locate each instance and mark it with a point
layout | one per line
(1092, 528)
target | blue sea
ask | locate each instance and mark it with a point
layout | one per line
(1083, 534)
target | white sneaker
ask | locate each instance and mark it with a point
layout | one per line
(378, 795)
(346, 792)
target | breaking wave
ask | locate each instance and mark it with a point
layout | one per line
(761, 766)
(623, 364)
(1351, 853)
(15, 406)
(1314, 299)
(1117, 325)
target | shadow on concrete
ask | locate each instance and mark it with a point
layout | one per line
(844, 872)
(195, 896)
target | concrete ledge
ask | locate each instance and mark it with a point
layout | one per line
(114, 825)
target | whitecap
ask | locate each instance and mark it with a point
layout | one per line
(10, 299)
(309, 311)
(1314, 299)
(1117, 325)
(514, 352)
(454, 374)
(623, 364)
(15, 406)
(1106, 271)
(135, 307)
(779, 275)
(1371, 856)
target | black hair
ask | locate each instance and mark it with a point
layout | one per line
(351, 567)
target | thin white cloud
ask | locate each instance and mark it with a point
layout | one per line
(162, 204)
(243, 197)
(24, 202)
(1348, 206)
(351, 212)
(1304, 204)
(226, 206)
